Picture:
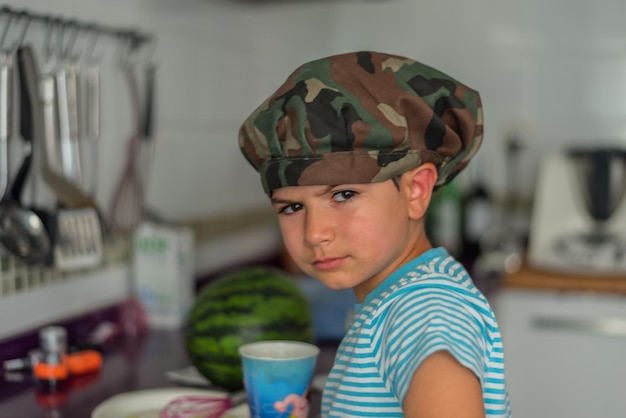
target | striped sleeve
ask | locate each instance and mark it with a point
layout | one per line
(422, 323)
(355, 383)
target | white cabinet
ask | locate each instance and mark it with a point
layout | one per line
(565, 352)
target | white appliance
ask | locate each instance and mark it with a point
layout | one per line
(578, 223)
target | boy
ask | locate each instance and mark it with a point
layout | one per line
(349, 150)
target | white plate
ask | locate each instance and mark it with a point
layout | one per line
(188, 376)
(145, 403)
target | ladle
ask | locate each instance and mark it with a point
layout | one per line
(22, 231)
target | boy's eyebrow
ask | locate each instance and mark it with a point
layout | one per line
(275, 200)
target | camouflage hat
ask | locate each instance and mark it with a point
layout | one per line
(362, 117)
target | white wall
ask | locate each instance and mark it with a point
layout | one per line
(556, 70)
(216, 61)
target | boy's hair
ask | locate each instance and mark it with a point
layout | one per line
(362, 117)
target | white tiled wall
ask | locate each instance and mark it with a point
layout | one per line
(556, 70)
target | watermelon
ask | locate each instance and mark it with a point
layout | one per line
(246, 305)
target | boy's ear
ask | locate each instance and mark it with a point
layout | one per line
(420, 182)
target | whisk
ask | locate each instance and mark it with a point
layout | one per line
(197, 407)
(127, 205)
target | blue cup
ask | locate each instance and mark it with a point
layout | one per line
(277, 377)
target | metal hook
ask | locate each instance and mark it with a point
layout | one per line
(25, 28)
(47, 46)
(92, 58)
(69, 53)
(65, 48)
(126, 50)
(3, 48)
(60, 34)
(150, 51)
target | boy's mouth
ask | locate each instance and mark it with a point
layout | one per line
(328, 263)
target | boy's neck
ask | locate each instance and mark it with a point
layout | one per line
(419, 247)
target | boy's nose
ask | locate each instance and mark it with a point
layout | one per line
(318, 227)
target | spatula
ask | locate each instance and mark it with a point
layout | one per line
(78, 229)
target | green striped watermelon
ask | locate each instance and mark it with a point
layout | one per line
(250, 304)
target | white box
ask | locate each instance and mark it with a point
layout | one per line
(163, 273)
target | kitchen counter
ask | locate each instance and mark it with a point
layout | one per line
(136, 364)
(531, 278)
(564, 335)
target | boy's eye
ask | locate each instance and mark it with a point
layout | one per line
(344, 195)
(289, 209)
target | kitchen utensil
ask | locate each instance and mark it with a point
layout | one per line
(92, 120)
(601, 177)
(29, 111)
(93, 102)
(67, 101)
(209, 406)
(240, 411)
(579, 216)
(147, 403)
(147, 148)
(26, 132)
(21, 230)
(127, 205)
(69, 194)
(602, 181)
(6, 117)
(78, 229)
(49, 149)
(79, 242)
(6, 104)
(48, 89)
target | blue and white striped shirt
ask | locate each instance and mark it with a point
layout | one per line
(428, 305)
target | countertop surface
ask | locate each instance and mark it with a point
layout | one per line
(136, 364)
(533, 278)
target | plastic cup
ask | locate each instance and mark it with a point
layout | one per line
(277, 377)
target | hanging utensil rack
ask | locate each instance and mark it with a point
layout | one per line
(15, 275)
(136, 38)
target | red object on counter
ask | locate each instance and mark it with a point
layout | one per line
(82, 362)
(158, 352)
(51, 372)
(53, 397)
(77, 363)
(51, 400)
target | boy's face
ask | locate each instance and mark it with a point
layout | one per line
(349, 236)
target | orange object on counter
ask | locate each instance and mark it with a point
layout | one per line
(51, 372)
(82, 362)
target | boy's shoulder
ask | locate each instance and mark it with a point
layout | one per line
(435, 272)
(433, 266)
